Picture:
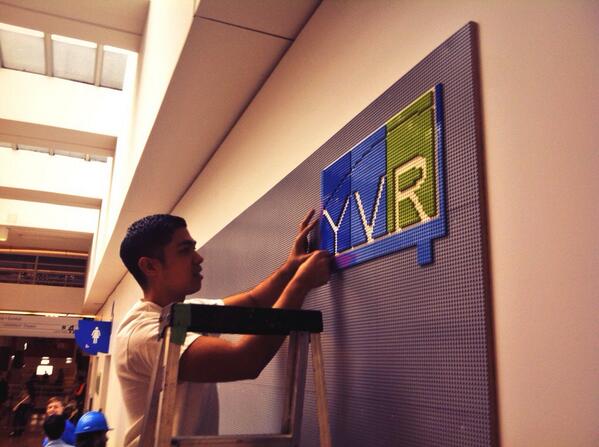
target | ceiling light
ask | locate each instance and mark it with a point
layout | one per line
(43, 370)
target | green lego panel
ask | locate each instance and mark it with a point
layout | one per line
(411, 168)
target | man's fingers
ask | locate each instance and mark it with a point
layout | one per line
(302, 258)
(318, 255)
(307, 219)
(300, 240)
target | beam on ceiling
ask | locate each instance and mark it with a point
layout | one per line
(54, 198)
(19, 132)
(52, 24)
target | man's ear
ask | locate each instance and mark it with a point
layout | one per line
(149, 266)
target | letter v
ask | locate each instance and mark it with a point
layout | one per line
(369, 228)
(335, 227)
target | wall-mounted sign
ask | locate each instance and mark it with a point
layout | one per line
(16, 325)
(93, 336)
(387, 193)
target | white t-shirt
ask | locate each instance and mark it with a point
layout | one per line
(137, 349)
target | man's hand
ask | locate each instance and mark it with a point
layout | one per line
(315, 271)
(269, 290)
(299, 250)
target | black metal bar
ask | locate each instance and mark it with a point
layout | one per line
(239, 320)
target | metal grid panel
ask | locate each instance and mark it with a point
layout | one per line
(408, 349)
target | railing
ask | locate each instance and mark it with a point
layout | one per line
(42, 270)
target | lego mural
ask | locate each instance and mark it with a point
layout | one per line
(387, 193)
(407, 338)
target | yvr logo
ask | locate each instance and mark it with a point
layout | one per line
(388, 193)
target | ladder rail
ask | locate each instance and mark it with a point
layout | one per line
(151, 407)
(299, 385)
(289, 381)
(321, 390)
(166, 404)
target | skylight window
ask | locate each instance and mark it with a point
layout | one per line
(64, 57)
(22, 49)
(74, 59)
(113, 67)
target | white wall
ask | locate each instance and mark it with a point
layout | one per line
(41, 298)
(56, 174)
(166, 29)
(539, 73)
(47, 216)
(60, 103)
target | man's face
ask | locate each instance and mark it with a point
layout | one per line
(54, 407)
(180, 272)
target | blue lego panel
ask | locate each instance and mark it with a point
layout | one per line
(368, 187)
(335, 228)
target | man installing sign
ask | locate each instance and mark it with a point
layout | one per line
(161, 255)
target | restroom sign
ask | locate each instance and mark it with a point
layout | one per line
(93, 336)
(388, 192)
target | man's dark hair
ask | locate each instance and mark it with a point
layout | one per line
(148, 237)
(54, 426)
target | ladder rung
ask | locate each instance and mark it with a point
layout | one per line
(239, 320)
(277, 440)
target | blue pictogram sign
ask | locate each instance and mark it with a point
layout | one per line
(93, 336)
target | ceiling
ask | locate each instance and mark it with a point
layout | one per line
(35, 238)
(129, 16)
(230, 51)
(111, 22)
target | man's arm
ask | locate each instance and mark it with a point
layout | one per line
(210, 359)
(266, 293)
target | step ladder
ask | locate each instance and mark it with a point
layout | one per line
(303, 327)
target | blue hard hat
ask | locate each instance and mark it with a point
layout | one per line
(90, 422)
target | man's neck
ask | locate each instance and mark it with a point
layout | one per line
(161, 298)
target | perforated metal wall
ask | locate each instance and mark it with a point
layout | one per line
(408, 348)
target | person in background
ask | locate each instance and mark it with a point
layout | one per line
(59, 378)
(21, 412)
(32, 385)
(3, 389)
(53, 428)
(56, 407)
(91, 430)
(78, 393)
(72, 412)
(3, 398)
